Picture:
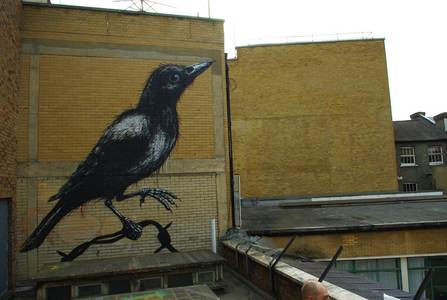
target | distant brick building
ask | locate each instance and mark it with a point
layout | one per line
(81, 67)
(421, 146)
(312, 119)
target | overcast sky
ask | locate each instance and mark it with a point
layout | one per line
(415, 35)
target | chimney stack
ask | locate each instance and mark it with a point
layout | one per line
(441, 121)
(417, 115)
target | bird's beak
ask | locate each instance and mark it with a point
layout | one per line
(195, 70)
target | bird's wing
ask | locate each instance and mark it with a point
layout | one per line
(122, 145)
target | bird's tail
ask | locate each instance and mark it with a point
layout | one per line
(46, 225)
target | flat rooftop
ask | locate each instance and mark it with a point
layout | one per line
(310, 217)
(193, 292)
(122, 265)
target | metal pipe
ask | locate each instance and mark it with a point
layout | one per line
(422, 286)
(230, 139)
(273, 263)
(213, 236)
(331, 263)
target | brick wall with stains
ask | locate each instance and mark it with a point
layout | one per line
(10, 13)
(312, 119)
(80, 69)
(9, 78)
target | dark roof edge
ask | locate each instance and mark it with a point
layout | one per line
(264, 199)
(345, 229)
(311, 42)
(420, 140)
(120, 11)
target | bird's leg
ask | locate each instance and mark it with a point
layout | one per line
(165, 197)
(131, 229)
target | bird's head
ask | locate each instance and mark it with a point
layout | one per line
(168, 82)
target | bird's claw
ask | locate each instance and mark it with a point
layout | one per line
(166, 198)
(131, 229)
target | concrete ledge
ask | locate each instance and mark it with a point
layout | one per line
(121, 11)
(305, 201)
(292, 273)
(176, 166)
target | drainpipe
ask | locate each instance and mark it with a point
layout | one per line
(213, 236)
(230, 140)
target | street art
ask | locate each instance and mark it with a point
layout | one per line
(133, 147)
(163, 237)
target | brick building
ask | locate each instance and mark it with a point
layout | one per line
(313, 145)
(307, 119)
(9, 87)
(421, 147)
(394, 242)
(312, 119)
(81, 67)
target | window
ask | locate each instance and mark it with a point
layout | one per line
(410, 187)
(386, 271)
(436, 287)
(435, 155)
(58, 292)
(89, 290)
(205, 277)
(407, 157)
(147, 284)
(119, 286)
(176, 280)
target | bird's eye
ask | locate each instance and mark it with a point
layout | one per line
(174, 78)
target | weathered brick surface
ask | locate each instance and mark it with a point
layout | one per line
(368, 244)
(287, 289)
(100, 92)
(91, 25)
(440, 177)
(259, 275)
(9, 76)
(420, 173)
(312, 119)
(190, 228)
(79, 94)
(10, 11)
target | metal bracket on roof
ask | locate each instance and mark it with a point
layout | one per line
(273, 263)
(247, 268)
(331, 264)
(423, 285)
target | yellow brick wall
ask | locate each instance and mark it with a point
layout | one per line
(84, 67)
(70, 85)
(22, 122)
(190, 228)
(404, 242)
(312, 119)
(125, 28)
(9, 76)
(10, 12)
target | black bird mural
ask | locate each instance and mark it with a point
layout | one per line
(134, 146)
(163, 237)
